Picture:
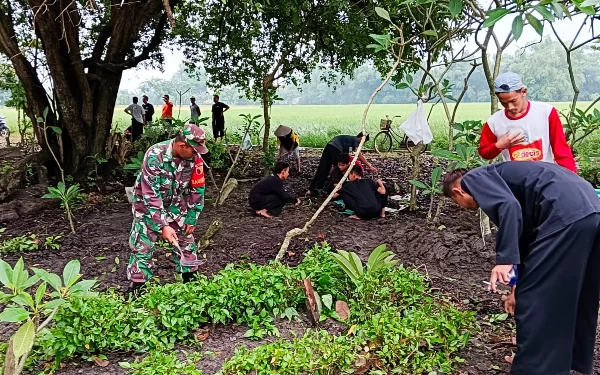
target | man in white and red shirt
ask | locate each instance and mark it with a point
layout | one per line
(525, 130)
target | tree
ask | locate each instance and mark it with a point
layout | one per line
(85, 45)
(259, 45)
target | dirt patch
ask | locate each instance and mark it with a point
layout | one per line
(452, 254)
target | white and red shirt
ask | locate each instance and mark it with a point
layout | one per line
(544, 136)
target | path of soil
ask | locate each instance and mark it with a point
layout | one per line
(452, 254)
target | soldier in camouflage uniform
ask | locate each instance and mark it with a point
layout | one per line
(168, 196)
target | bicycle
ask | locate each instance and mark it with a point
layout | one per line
(384, 140)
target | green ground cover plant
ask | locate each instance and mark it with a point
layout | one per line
(411, 320)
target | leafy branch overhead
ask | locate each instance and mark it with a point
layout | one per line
(536, 13)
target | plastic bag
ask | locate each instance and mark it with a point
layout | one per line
(416, 126)
(247, 143)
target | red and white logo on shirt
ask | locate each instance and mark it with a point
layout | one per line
(529, 152)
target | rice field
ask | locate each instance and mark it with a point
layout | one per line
(316, 124)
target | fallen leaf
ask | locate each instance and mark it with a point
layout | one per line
(514, 340)
(101, 362)
(321, 236)
(202, 334)
(342, 309)
(87, 346)
(291, 253)
(167, 254)
(351, 330)
(509, 359)
(360, 361)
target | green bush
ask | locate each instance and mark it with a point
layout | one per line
(161, 363)
(317, 353)
(217, 156)
(393, 311)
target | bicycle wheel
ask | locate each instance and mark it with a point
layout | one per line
(383, 142)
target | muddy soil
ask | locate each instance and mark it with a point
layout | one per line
(452, 253)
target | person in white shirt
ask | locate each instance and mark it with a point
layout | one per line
(138, 120)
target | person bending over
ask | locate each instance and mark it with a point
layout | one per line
(343, 162)
(338, 145)
(367, 198)
(548, 222)
(269, 196)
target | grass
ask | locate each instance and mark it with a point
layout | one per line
(316, 124)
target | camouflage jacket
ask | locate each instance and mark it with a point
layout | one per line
(164, 191)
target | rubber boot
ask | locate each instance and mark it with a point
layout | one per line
(188, 277)
(136, 289)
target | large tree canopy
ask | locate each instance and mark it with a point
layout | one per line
(84, 46)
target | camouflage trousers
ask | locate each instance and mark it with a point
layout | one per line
(142, 240)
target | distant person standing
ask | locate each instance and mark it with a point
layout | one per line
(218, 119)
(194, 110)
(149, 109)
(136, 112)
(167, 110)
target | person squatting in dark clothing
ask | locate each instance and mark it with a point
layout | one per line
(269, 196)
(343, 162)
(548, 222)
(338, 145)
(367, 198)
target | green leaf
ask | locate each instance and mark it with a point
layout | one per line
(54, 304)
(435, 176)
(14, 315)
(56, 129)
(5, 273)
(545, 12)
(495, 16)
(50, 278)
(409, 79)
(83, 286)
(418, 184)
(383, 13)
(71, 273)
(558, 10)
(590, 11)
(537, 25)
(125, 365)
(23, 299)
(23, 339)
(17, 273)
(402, 86)
(39, 293)
(327, 300)
(517, 27)
(45, 114)
(430, 32)
(455, 7)
(590, 3)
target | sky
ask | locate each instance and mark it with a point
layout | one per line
(566, 28)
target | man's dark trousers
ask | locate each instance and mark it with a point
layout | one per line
(557, 301)
(328, 159)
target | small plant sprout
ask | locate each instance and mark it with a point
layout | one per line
(68, 198)
(33, 312)
(353, 267)
(434, 189)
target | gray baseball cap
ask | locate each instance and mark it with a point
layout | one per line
(508, 82)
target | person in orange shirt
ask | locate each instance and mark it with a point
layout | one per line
(167, 110)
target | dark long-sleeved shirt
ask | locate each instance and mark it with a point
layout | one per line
(272, 185)
(528, 201)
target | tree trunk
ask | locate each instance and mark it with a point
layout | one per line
(265, 101)
(84, 91)
(415, 157)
